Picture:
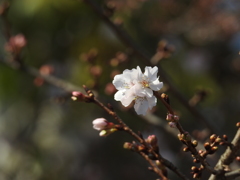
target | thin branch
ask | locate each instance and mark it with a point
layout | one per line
(127, 40)
(154, 167)
(66, 86)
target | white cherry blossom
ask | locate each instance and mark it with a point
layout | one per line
(134, 85)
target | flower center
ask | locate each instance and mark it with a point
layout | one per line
(145, 84)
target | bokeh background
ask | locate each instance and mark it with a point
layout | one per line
(45, 135)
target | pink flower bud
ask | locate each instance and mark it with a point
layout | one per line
(16, 43)
(76, 93)
(100, 124)
(152, 139)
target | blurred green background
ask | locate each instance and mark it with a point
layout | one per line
(44, 135)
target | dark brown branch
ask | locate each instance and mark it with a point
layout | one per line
(140, 53)
(154, 167)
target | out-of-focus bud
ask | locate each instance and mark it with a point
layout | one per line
(213, 149)
(127, 145)
(114, 62)
(46, 69)
(78, 96)
(165, 98)
(196, 160)
(96, 71)
(207, 146)
(176, 118)
(16, 43)
(103, 133)
(169, 117)
(152, 140)
(110, 89)
(172, 124)
(122, 57)
(38, 81)
(238, 158)
(218, 140)
(163, 51)
(194, 169)
(195, 143)
(107, 132)
(118, 21)
(185, 149)
(213, 137)
(90, 56)
(196, 175)
(238, 124)
(225, 137)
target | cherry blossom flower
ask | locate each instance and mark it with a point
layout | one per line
(134, 85)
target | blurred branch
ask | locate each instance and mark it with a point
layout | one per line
(66, 86)
(227, 158)
(233, 174)
(126, 39)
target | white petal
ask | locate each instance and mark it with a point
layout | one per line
(118, 82)
(119, 95)
(141, 106)
(156, 85)
(148, 92)
(152, 101)
(128, 98)
(151, 73)
(139, 73)
(141, 91)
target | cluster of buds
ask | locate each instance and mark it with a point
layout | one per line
(151, 141)
(78, 96)
(197, 172)
(135, 147)
(44, 70)
(184, 137)
(15, 44)
(119, 58)
(90, 56)
(105, 127)
(172, 120)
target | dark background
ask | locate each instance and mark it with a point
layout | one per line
(44, 135)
